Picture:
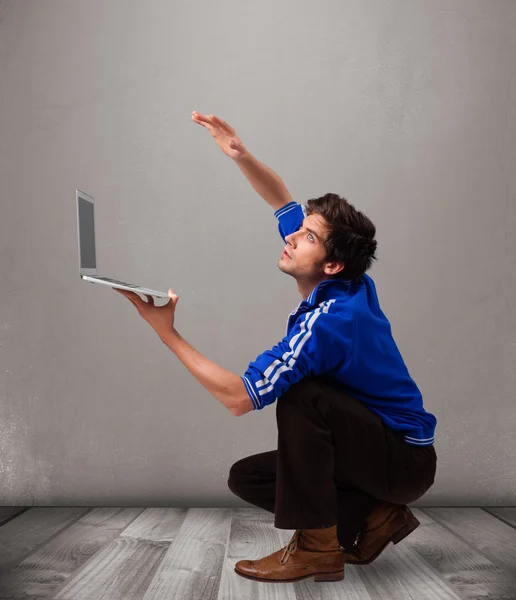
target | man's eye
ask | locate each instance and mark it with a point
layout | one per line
(308, 234)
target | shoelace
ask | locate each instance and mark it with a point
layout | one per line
(291, 547)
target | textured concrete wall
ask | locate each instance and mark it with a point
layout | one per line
(407, 108)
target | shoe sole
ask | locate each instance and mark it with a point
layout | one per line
(334, 576)
(395, 539)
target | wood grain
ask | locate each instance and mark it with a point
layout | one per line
(488, 535)
(48, 566)
(156, 553)
(32, 528)
(253, 536)
(468, 572)
(9, 512)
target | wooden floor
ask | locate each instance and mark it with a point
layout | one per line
(175, 553)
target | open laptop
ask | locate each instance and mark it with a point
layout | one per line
(87, 253)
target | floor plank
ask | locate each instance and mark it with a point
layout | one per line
(155, 553)
(469, 573)
(126, 567)
(400, 573)
(157, 524)
(488, 535)
(253, 536)
(507, 514)
(9, 512)
(46, 568)
(192, 566)
(33, 528)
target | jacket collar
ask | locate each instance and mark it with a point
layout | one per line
(329, 289)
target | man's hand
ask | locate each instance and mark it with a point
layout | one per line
(222, 133)
(160, 318)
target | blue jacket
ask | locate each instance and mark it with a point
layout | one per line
(340, 332)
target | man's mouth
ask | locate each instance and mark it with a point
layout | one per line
(285, 254)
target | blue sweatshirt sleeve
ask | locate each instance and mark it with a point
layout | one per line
(290, 218)
(319, 342)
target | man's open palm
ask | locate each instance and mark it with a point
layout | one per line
(222, 133)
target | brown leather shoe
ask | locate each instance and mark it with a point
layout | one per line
(310, 553)
(387, 522)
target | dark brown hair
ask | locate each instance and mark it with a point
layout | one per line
(351, 235)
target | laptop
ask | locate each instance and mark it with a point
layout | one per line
(87, 253)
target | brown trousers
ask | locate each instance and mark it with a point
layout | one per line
(335, 461)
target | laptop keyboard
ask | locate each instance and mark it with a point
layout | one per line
(116, 281)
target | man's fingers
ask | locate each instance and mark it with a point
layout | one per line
(131, 296)
(224, 125)
(202, 120)
(211, 121)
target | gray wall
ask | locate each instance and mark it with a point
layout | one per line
(405, 107)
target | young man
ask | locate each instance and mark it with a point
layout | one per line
(355, 444)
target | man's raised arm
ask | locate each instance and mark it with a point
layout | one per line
(264, 180)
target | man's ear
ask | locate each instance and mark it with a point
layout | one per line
(333, 268)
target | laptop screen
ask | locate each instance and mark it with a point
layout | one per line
(86, 234)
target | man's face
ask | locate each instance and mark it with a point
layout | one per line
(305, 247)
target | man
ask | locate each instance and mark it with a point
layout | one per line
(355, 444)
